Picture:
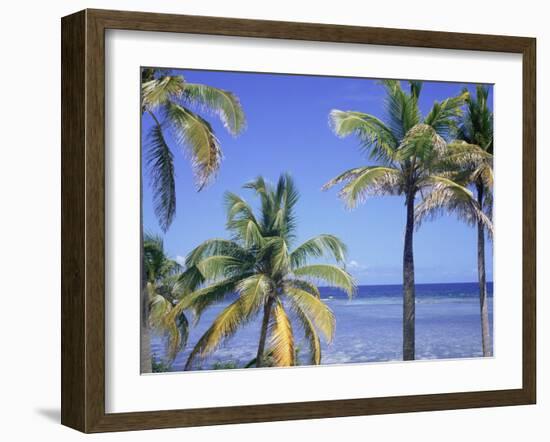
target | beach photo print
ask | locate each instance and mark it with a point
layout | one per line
(305, 220)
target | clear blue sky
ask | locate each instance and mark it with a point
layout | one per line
(287, 130)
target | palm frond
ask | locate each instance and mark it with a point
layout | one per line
(224, 104)
(330, 274)
(443, 116)
(375, 137)
(447, 196)
(304, 285)
(311, 336)
(159, 91)
(160, 165)
(422, 144)
(213, 247)
(372, 181)
(196, 134)
(317, 247)
(315, 309)
(282, 338)
(401, 108)
(218, 266)
(224, 326)
(202, 298)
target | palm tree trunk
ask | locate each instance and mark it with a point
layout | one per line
(263, 333)
(408, 283)
(145, 357)
(484, 309)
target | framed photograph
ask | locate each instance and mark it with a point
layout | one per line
(265, 221)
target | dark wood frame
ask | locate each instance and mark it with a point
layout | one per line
(83, 216)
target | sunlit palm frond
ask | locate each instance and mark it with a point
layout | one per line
(319, 246)
(463, 155)
(346, 176)
(196, 134)
(422, 144)
(159, 91)
(315, 309)
(224, 326)
(375, 136)
(224, 104)
(447, 196)
(160, 165)
(330, 274)
(281, 337)
(174, 328)
(311, 336)
(255, 289)
(372, 181)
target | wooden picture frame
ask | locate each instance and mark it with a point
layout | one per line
(83, 220)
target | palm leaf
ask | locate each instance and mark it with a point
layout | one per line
(374, 135)
(282, 338)
(332, 275)
(315, 309)
(448, 196)
(443, 116)
(222, 103)
(311, 336)
(372, 181)
(224, 326)
(304, 285)
(160, 165)
(196, 134)
(401, 108)
(317, 247)
(159, 91)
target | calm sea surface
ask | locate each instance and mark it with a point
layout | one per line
(368, 327)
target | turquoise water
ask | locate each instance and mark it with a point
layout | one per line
(368, 327)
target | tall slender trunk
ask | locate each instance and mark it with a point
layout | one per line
(486, 344)
(263, 333)
(408, 282)
(145, 356)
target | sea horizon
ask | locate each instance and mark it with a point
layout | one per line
(368, 327)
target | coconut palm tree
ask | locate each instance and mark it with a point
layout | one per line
(470, 162)
(408, 149)
(162, 274)
(271, 277)
(169, 101)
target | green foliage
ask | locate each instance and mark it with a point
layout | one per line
(269, 275)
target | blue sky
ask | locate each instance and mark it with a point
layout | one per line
(287, 131)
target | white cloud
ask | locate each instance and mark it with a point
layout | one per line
(180, 260)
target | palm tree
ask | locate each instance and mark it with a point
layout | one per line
(270, 277)
(408, 148)
(167, 99)
(475, 136)
(162, 275)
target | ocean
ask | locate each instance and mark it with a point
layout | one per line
(368, 327)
